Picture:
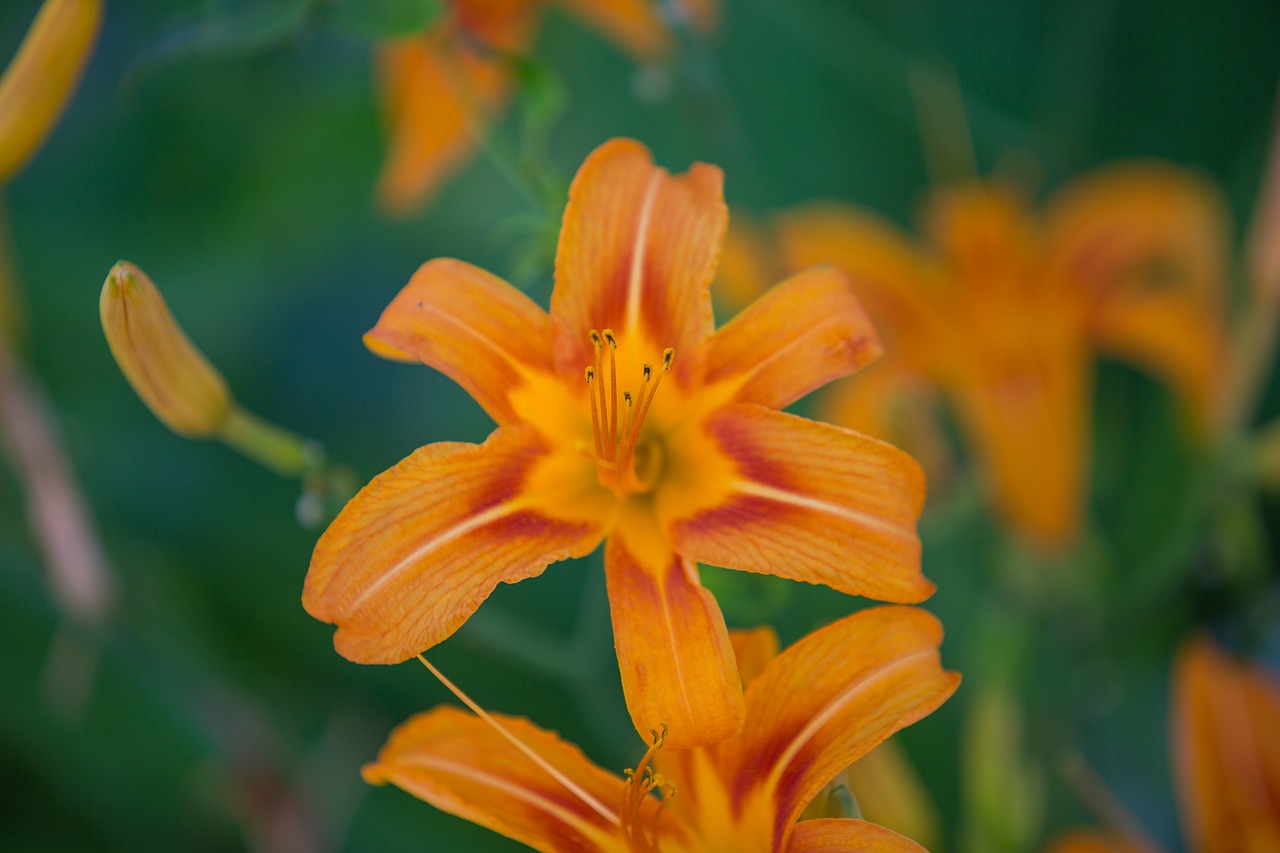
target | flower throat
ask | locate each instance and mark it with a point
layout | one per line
(616, 430)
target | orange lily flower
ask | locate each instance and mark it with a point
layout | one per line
(1226, 750)
(1002, 310)
(815, 709)
(439, 89)
(595, 441)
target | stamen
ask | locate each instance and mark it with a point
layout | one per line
(573, 787)
(626, 422)
(595, 418)
(616, 425)
(605, 434)
(641, 781)
(613, 390)
(633, 435)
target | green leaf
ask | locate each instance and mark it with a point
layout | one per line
(382, 19)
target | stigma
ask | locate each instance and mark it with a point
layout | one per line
(616, 423)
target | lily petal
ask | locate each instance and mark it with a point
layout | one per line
(472, 326)
(462, 765)
(802, 334)
(1027, 420)
(1172, 335)
(753, 650)
(677, 664)
(806, 501)
(833, 835)
(1226, 744)
(435, 95)
(900, 292)
(638, 249)
(1120, 225)
(829, 699)
(413, 555)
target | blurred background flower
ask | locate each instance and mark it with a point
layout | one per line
(230, 149)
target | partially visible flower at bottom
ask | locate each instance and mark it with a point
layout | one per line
(810, 713)
(1225, 732)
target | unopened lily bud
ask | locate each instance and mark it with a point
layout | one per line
(40, 79)
(170, 375)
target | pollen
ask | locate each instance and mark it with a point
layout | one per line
(616, 423)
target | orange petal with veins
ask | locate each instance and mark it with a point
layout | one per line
(806, 501)
(460, 764)
(413, 555)
(638, 249)
(802, 334)
(831, 835)
(470, 325)
(677, 664)
(900, 292)
(829, 699)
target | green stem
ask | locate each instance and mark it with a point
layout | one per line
(278, 449)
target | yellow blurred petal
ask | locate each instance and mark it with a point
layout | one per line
(840, 836)
(829, 699)
(802, 334)
(1173, 337)
(754, 650)
(1226, 745)
(41, 77)
(413, 555)
(890, 793)
(749, 266)
(1138, 225)
(677, 666)
(470, 325)
(1025, 412)
(437, 96)
(806, 501)
(462, 765)
(170, 375)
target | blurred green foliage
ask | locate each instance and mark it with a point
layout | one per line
(230, 149)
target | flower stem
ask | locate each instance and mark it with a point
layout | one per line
(278, 449)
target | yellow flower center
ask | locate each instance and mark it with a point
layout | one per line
(623, 462)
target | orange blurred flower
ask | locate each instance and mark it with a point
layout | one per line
(1002, 311)
(439, 89)
(697, 466)
(42, 76)
(1225, 730)
(810, 712)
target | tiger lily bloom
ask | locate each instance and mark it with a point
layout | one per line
(440, 88)
(624, 416)
(810, 712)
(1002, 310)
(1225, 730)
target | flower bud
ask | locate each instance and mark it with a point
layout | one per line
(170, 375)
(40, 79)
